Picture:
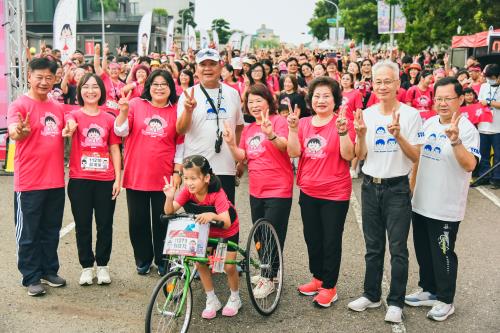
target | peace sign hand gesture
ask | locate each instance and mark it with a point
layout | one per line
(452, 131)
(359, 124)
(123, 102)
(228, 134)
(293, 118)
(189, 101)
(266, 126)
(394, 128)
(341, 121)
(169, 188)
(23, 128)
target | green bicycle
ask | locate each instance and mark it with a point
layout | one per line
(171, 303)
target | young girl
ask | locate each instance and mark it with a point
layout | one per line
(203, 188)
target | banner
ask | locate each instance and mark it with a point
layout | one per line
(65, 28)
(170, 36)
(245, 45)
(215, 38)
(204, 39)
(144, 34)
(399, 25)
(235, 40)
(384, 18)
(333, 35)
(4, 69)
(191, 35)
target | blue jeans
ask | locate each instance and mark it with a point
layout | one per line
(487, 142)
(386, 209)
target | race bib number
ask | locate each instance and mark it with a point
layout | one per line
(93, 161)
(112, 105)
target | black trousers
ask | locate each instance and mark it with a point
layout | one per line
(276, 211)
(147, 233)
(38, 218)
(92, 198)
(434, 242)
(386, 209)
(323, 229)
(228, 185)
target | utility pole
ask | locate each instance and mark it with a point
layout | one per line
(337, 22)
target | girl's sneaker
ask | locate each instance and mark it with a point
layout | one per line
(232, 306)
(211, 307)
(311, 288)
(264, 288)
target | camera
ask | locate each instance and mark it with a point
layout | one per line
(218, 142)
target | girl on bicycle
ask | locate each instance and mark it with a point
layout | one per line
(203, 188)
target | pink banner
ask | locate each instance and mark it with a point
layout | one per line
(4, 94)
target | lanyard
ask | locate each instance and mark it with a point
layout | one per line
(492, 97)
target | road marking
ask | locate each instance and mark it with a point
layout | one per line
(64, 231)
(395, 328)
(488, 194)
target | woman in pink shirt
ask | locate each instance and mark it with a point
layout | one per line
(148, 125)
(263, 145)
(94, 177)
(325, 144)
(139, 75)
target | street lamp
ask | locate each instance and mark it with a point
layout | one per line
(102, 19)
(183, 28)
(337, 22)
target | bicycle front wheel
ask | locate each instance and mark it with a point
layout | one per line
(170, 307)
(264, 265)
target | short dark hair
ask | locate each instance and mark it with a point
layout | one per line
(84, 80)
(263, 91)
(462, 72)
(289, 60)
(144, 58)
(252, 68)
(492, 70)
(146, 94)
(41, 64)
(188, 73)
(459, 90)
(407, 59)
(203, 165)
(325, 81)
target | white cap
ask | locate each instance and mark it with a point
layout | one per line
(236, 63)
(207, 54)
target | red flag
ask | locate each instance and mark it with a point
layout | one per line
(477, 113)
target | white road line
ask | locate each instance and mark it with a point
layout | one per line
(488, 194)
(395, 328)
(64, 231)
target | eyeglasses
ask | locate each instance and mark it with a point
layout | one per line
(159, 85)
(446, 100)
(384, 82)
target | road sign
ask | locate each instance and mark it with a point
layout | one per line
(331, 20)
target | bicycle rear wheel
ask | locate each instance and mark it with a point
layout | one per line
(264, 260)
(166, 312)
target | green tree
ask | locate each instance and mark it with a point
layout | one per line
(108, 5)
(188, 15)
(221, 26)
(318, 25)
(160, 12)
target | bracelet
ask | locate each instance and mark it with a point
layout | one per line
(342, 133)
(274, 138)
(177, 172)
(456, 142)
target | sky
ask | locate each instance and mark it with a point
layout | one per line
(288, 21)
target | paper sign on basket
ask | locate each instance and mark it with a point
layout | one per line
(186, 237)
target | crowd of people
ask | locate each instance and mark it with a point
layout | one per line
(184, 127)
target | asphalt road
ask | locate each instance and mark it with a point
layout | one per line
(121, 306)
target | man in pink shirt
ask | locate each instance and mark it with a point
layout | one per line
(35, 122)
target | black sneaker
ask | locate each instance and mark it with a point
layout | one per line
(36, 289)
(54, 280)
(143, 270)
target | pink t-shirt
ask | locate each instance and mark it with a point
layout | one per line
(273, 83)
(401, 97)
(90, 157)
(221, 203)
(113, 93)
(150, 145)
(421, 100)
(353, 100)
(39, 158)
(137, 91)
(270, 172)
(322, 172)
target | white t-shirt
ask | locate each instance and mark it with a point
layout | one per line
(442, 184)
(492, 93)
(384, 158)
(201, 136)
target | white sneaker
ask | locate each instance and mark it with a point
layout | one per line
(264, 288)
(232, 306)
(363, 303)
(255, 279)
(87, 276)
(211, 307)
(420, 298)
(103, 275)
(394, 314)
(440, 311)
(354, 173)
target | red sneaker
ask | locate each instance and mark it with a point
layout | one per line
(326, 297)
(311, 288)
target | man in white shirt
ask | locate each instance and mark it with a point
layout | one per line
(447, 157)
(388, 135)
(489, 95)
(202, 120)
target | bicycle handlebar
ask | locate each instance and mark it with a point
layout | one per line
(165, 218)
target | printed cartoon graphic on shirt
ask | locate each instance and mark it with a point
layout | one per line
(314, 146)
(93, 136)
(50, 123)
(423, 102)
(433, 146)
(56, 95)
(155, 126)
(255, 146)
(384, 141)
(211, 113)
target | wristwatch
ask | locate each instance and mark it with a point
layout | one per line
(456, 142)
